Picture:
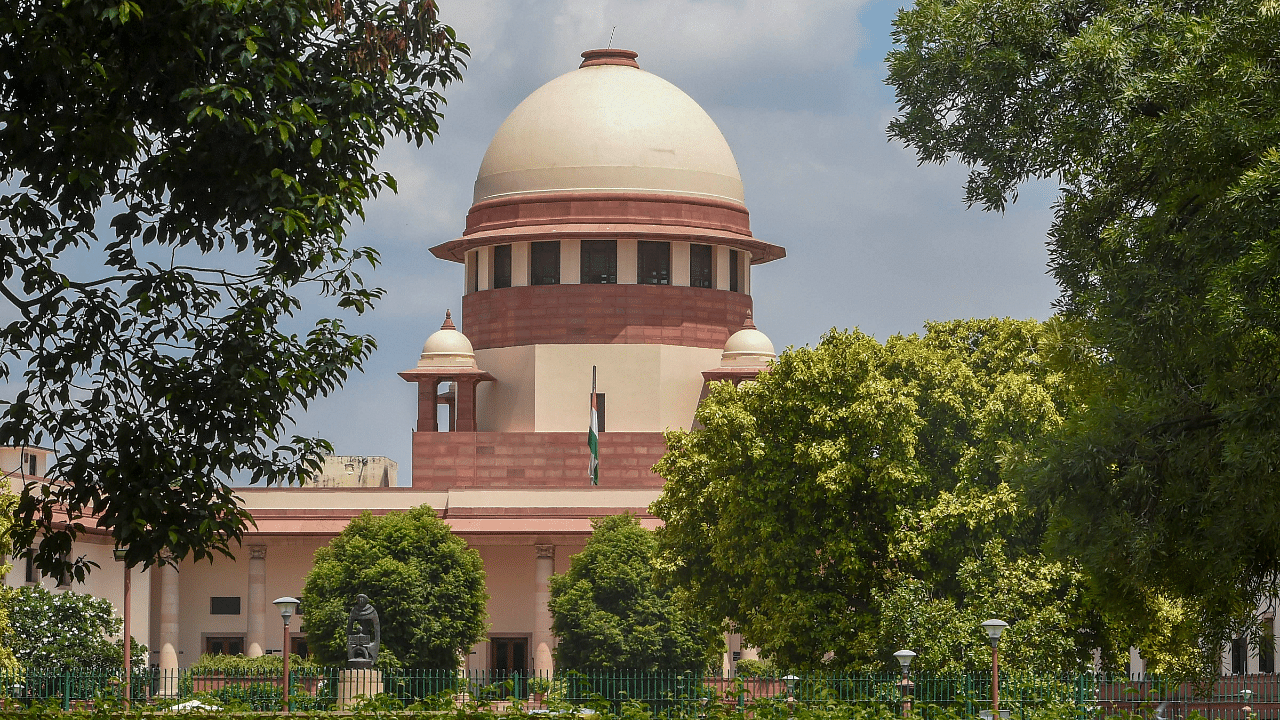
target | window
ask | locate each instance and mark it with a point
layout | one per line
(544, 263)
(700, 266)
(32, 576)
(224, 645)
(298, 646)
(1239, 656)
(734, 261)
(599, 411)
(474, 282)
(654, 263)
(29, 463)
(502, 266)
(509, 654)
(224, 606)
(599, 262)
(1267, 646)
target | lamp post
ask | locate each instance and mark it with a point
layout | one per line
(994, 627)
(904, 658)
(286, 605)
(791, 680)
(120, 554)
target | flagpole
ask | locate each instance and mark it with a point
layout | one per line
(593, 435)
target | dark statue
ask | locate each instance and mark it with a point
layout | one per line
(363, 634)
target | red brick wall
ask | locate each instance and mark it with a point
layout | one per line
(576, 314)
(533, 459)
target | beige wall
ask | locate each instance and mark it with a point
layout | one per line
(11, 461)
(545, 388)
(287, 562)
(628, 261)
(506, 405)
(570, 262)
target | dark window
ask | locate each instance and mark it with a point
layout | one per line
(224, 645)
(737, 655)
(29, 463)
(599, 411)
(654, 263)
(502, 266)
(31, 566)
(700, 266)
(298, 646)
(1239, 655)
(599, 262)
(33, 465)
(1267, 647)
(475, 272)
(224, 606)
(509, 654)
(544, 263)
(733, 270)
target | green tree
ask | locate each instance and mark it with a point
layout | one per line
(426, 584)
(66, 631)
(1158, 118)
(173, 175)
(853, 500)
(608, 613)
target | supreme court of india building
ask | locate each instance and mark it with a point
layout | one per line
(608, 230)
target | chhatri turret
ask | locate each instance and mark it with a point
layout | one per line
(609, 230)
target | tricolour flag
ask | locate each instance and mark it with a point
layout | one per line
(593, 434)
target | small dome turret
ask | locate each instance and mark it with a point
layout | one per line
(748, 347)
(447, 348)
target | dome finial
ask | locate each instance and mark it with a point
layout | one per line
(610, 56)
(448, 322)
(748, 323)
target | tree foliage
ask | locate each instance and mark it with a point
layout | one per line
(1160, 119)
(854, 500)
(66, 631)
(172, 172)
(426, 584)
(608, 613)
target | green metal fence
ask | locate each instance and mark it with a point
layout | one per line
(668, 694)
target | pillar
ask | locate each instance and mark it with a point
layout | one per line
(169, 607)
(464, 402)
(427, 404)
(543, 640)
(256, 638)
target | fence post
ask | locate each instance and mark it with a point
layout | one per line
(66, 689)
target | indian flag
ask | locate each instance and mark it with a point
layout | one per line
(593, 434)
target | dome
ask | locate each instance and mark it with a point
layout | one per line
(609, 127)
(748, 347)
(447, 348)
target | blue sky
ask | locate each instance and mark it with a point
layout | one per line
(873, 240)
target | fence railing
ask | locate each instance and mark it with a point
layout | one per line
(670, 694)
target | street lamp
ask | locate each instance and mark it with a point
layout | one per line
(791, 680)
(120, 554)
(904, 658)
(994, 628)
(287, 606)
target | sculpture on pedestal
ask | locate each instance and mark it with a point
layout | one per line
(363, 634)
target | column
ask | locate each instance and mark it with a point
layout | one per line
(169, 607)
(543, 640)
(427, 403)
(256, 638)
(464, 399)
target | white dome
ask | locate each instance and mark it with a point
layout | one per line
(609, 127)
(447, 348)
(747, 348)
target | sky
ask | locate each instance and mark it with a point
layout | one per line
(874, 240)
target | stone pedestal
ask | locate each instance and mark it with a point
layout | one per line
(355, 683)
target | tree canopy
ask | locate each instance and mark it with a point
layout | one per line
(426, 584)
(172, 174)
(854, 500)
(608, 613)
(1159, 120)
(65, 631)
